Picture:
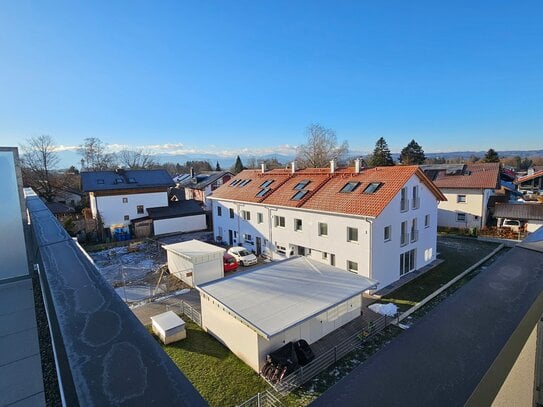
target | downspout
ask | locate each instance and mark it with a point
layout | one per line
(371, 248)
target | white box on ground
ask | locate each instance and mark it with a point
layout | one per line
(169, 327)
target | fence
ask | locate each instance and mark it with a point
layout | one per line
(328, 358)
(184, 308)
(264, 399)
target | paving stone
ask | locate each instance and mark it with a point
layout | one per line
(20, 379)
(18, 345)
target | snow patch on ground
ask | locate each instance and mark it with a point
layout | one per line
(389, 309)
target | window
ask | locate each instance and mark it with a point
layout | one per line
(404, 238)
(248, 238)
(246, 215)
(301, 184)
(297, 224)
(387, 233)
(416, 200)
(263, 192)
(244, 182)
(266, 184)
(118, 181)
(100, 181)
(427, 221)
(372, 188)
(126, 217)
(139, 209)
(131, 180)
(407, 261)
(352, 266)
(352, 234)
(461, 198)
(219, 211)
(460, 217)
(235, 182)
(323, 229)
(259, 217)
(279, 221)
(404, 203)
(231, 213)
(350, 186)
(299, 195)
(324, 255)
(414, 231)
(125, 200)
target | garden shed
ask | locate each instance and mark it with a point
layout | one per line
(257, 312)
(195, 262)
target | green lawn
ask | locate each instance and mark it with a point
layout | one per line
(458, 255)
(220, 377)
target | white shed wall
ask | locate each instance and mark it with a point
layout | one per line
(112, 209)
(200, 273)
(179, 225)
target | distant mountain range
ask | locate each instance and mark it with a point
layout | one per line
(68, 158)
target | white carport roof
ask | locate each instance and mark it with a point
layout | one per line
(280, 295)
(195, 250)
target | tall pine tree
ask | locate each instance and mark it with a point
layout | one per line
(238, 166)
(412, 154)
(381, 154)
(218, 167)
(491, 156)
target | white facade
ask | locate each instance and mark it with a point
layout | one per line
(195, 262)
(464, 208)
(258, 226)
(120, 209)
(180, 225)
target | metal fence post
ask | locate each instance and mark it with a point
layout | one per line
(258, 399)
(335, 354)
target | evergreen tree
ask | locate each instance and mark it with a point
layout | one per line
(218, 167)
(238, 166)
(381, 154)
(491, 156)
(412, 154)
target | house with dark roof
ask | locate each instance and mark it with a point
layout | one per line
(468, 188)
(121, 197)
(380, 223)
(531, 183)
(200, 186)
(531, 214)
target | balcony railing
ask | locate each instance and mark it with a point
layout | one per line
(414, 235)
(103, 355)
(404, 239)
(404, 205)
(415, 203)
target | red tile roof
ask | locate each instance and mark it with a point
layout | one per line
(529, 177)
(473, 176)
(323, 188)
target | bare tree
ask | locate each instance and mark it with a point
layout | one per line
(321, 147)
(38, 160)
(93, 151)
(136, 159)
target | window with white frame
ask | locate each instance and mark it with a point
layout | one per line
(414, 230)
(323, 229)
(139, 209)
(297, 224)
(352, 266)
(231, 211)
(259, 217)
(404, 202)
(219, 211)
(407, 261)
(388, 233)
(352, 234)
(125, 200)
(246, 215)
(461, 198)
(460, 217)
(404, 238)
(279, 221)
(427, 221)
(416, 200)
(248, 238)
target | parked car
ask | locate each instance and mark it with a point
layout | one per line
(229, 262)
(513, 224)
(242, 255)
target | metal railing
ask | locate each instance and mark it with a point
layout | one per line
(404, 239)
(188, 310)
(415, 203)
(414, 235)
(404, 205)
(323, 361)
(264, 399)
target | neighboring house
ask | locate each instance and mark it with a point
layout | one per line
(60, 210)
(468, 188)
(531, 183)
(379, 223)
(183, 216)
(529, 213)
(124, 196)
(257, 312)
(200, 186)
(68, 196)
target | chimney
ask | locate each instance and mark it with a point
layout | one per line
(293, 167)
(192, 172)
(357, 165)
(332, 166)
(263, 167)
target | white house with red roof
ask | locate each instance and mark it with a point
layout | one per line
(380, 223)
(468, 188)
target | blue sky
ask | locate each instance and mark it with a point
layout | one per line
(249, 76)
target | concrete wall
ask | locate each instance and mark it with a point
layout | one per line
(112, 208)
(199, 273)
(238, 337)
(179, 225)
(533, 225)
(474, 208)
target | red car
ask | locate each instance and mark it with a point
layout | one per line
(229, 262)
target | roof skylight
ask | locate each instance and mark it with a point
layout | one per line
(350, 186)
(299, 195)
(302, 184)
(373, 187)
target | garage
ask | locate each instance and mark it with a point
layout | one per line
(257, 312)
(195, 262)
(178, 217)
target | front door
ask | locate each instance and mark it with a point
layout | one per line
(230, 237)
(258, 246)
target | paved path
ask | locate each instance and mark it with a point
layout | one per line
(21, 380)
(146, 311)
